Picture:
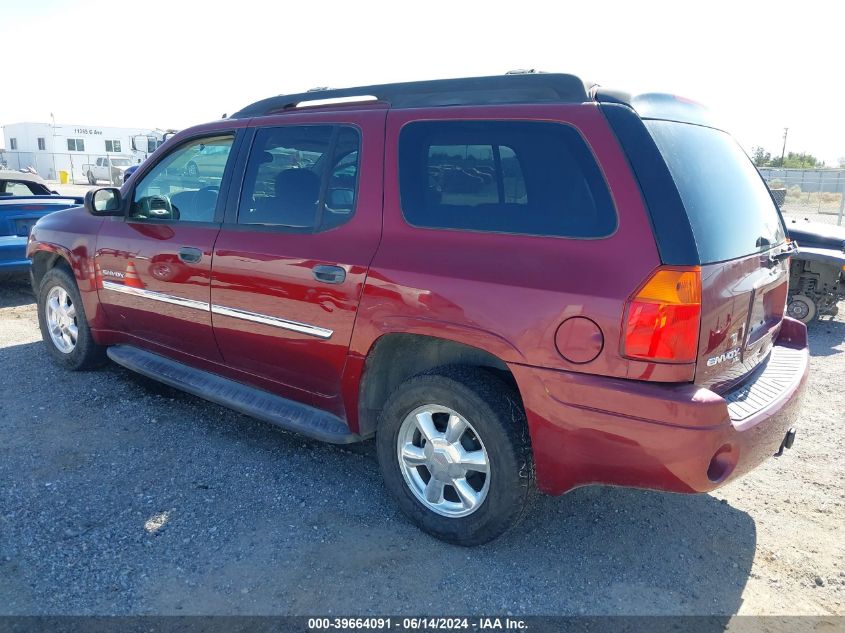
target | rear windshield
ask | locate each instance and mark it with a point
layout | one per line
(729, 207)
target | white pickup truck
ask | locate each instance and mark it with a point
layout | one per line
(109, 168)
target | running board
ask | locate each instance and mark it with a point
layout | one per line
(256, 403)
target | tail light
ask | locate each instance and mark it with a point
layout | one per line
(662, 319)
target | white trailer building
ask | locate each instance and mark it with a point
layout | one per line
(53, 148)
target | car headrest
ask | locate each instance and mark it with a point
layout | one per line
(298, 186)
(297, 192)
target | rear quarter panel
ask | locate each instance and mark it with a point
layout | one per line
(508, 294)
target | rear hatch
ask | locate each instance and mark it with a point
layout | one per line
(741, 244)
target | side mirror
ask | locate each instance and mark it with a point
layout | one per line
(104, 201)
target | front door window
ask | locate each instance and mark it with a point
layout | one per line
(185, 185)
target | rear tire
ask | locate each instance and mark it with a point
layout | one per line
(466, 506)
(91, 179)
(64, 327)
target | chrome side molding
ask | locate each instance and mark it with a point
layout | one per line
(156, 296)
(236, 313)
(286, 324)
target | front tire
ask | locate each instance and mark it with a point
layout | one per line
(64, 328)
(454, 452)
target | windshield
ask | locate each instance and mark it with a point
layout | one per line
(120, 162)
(729, 207)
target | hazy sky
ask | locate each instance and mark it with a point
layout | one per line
(761, 66)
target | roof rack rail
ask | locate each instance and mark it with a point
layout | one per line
(498, 89)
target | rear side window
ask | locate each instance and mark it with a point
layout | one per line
(729, 207)
(521, 177)
(301, 178)
(20, 189)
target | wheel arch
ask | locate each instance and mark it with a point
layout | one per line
(395, 357)
(45, 260)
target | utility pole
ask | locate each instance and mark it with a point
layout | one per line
(783, 151)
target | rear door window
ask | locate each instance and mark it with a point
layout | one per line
(729, 207)
(301, 178)
(521, 177)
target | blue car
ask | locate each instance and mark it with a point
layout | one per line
(129, 171)
(24, 199)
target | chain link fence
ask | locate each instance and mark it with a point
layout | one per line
(817, 194)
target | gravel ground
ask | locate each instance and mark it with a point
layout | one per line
(799, 215)
(120, 496)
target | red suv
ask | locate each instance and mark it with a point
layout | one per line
(505, 280)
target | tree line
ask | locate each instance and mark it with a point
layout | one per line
(793, 160)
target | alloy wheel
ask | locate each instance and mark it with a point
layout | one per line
(62, 320)
(443, 461)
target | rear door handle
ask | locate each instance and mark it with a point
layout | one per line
(329, 274)
(190, 255)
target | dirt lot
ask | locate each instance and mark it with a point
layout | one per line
(121, 496)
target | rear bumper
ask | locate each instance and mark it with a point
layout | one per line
(681, 438)
(13, 254)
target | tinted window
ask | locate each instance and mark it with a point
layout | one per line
(301, 178)
(728, 205)
(468, 174)
(522, 177)
(184, 185)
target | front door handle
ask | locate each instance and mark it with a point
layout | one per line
(329, 274)
(190, 255)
